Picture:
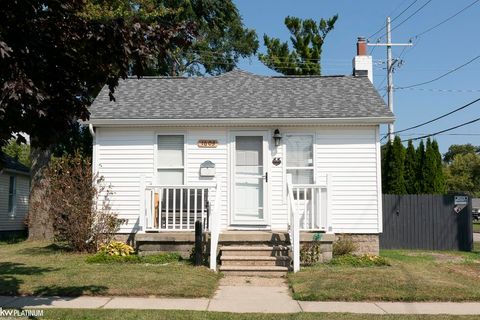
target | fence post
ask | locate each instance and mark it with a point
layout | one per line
(198, 243)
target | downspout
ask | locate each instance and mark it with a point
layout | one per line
(92, 131)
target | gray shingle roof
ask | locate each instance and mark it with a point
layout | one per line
(239, 94)
(9, 163)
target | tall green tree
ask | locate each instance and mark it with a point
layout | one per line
(303, 58)
(19, 151)
(220, 41)
(455, 149)
(463, 174)
(55, 55)
(410, 172)
(429, 169)
(394, 174)
(439, 181)
(420, 154)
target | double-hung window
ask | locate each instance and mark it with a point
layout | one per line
(12, 195)
(170, 159)
(299, 156)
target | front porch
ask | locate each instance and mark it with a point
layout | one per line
(264, 253)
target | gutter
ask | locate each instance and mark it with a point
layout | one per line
(215, 122)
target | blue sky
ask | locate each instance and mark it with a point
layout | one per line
(433, 54)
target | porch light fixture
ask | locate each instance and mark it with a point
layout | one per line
(277, 137)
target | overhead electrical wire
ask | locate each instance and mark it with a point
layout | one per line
(435, 119)
(445, 130)
(441, 76)
(393, 19)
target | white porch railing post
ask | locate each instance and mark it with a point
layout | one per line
(142, 222)
(214, 226)
(328, 215)
(294, 225)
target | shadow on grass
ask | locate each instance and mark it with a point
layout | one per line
(47, 249)
(70, 291)
(9, 272)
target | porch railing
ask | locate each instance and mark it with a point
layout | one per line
(307, 211)
(214, 225)
(176, 208)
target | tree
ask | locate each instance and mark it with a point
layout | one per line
(463, 174)
(56, 55)
(20, 151)
(455, 149)
(429, 169)
(420, 154)
(394, 168)
(220, 38)
(439, 181)
(307, 38)
(410, 172)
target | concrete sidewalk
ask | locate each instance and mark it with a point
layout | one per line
(241, 296)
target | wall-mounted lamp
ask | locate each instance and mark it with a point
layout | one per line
(277, 137)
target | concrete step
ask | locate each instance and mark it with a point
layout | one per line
(262, 271)
(282, 261)
(270, 251)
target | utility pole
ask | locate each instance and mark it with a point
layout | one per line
(390, 65)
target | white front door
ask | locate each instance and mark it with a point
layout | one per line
(250, 177)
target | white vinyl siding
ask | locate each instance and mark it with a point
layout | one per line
(347, 154)
(16, 199)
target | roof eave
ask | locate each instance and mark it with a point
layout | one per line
(243, 121)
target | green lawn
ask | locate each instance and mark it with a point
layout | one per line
(412, 276)
(180, 315)
(476, 227)
(35, 268)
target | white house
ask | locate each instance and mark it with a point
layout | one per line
(14, 193)
(222, 149)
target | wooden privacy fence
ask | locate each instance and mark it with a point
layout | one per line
(425, 222)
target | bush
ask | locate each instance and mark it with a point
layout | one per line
(79, 204)
(365, 260)
(162, 258)
(343, 246)
(310, 253)
(117, 248)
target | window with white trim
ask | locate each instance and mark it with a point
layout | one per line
(12, 195)
(299, 156)
(170, 159)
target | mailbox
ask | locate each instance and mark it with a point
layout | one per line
(207, 169)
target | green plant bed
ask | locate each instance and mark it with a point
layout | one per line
(161, 258)
(359, 261)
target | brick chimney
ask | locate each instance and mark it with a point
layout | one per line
(362, 63)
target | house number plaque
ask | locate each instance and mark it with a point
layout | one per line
(205, 143)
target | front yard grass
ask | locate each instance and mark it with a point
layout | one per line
(476, 227)
(413, 276)
(37, 268)
(60, 314)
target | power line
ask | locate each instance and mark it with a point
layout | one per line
(410, 16)
(447, 19)
(435, 119)
(440, 134)
(445, 90)
(394, 18)
(441, 76)
(445, 130)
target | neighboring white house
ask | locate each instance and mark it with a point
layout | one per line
(14, 193)
(168, 145)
